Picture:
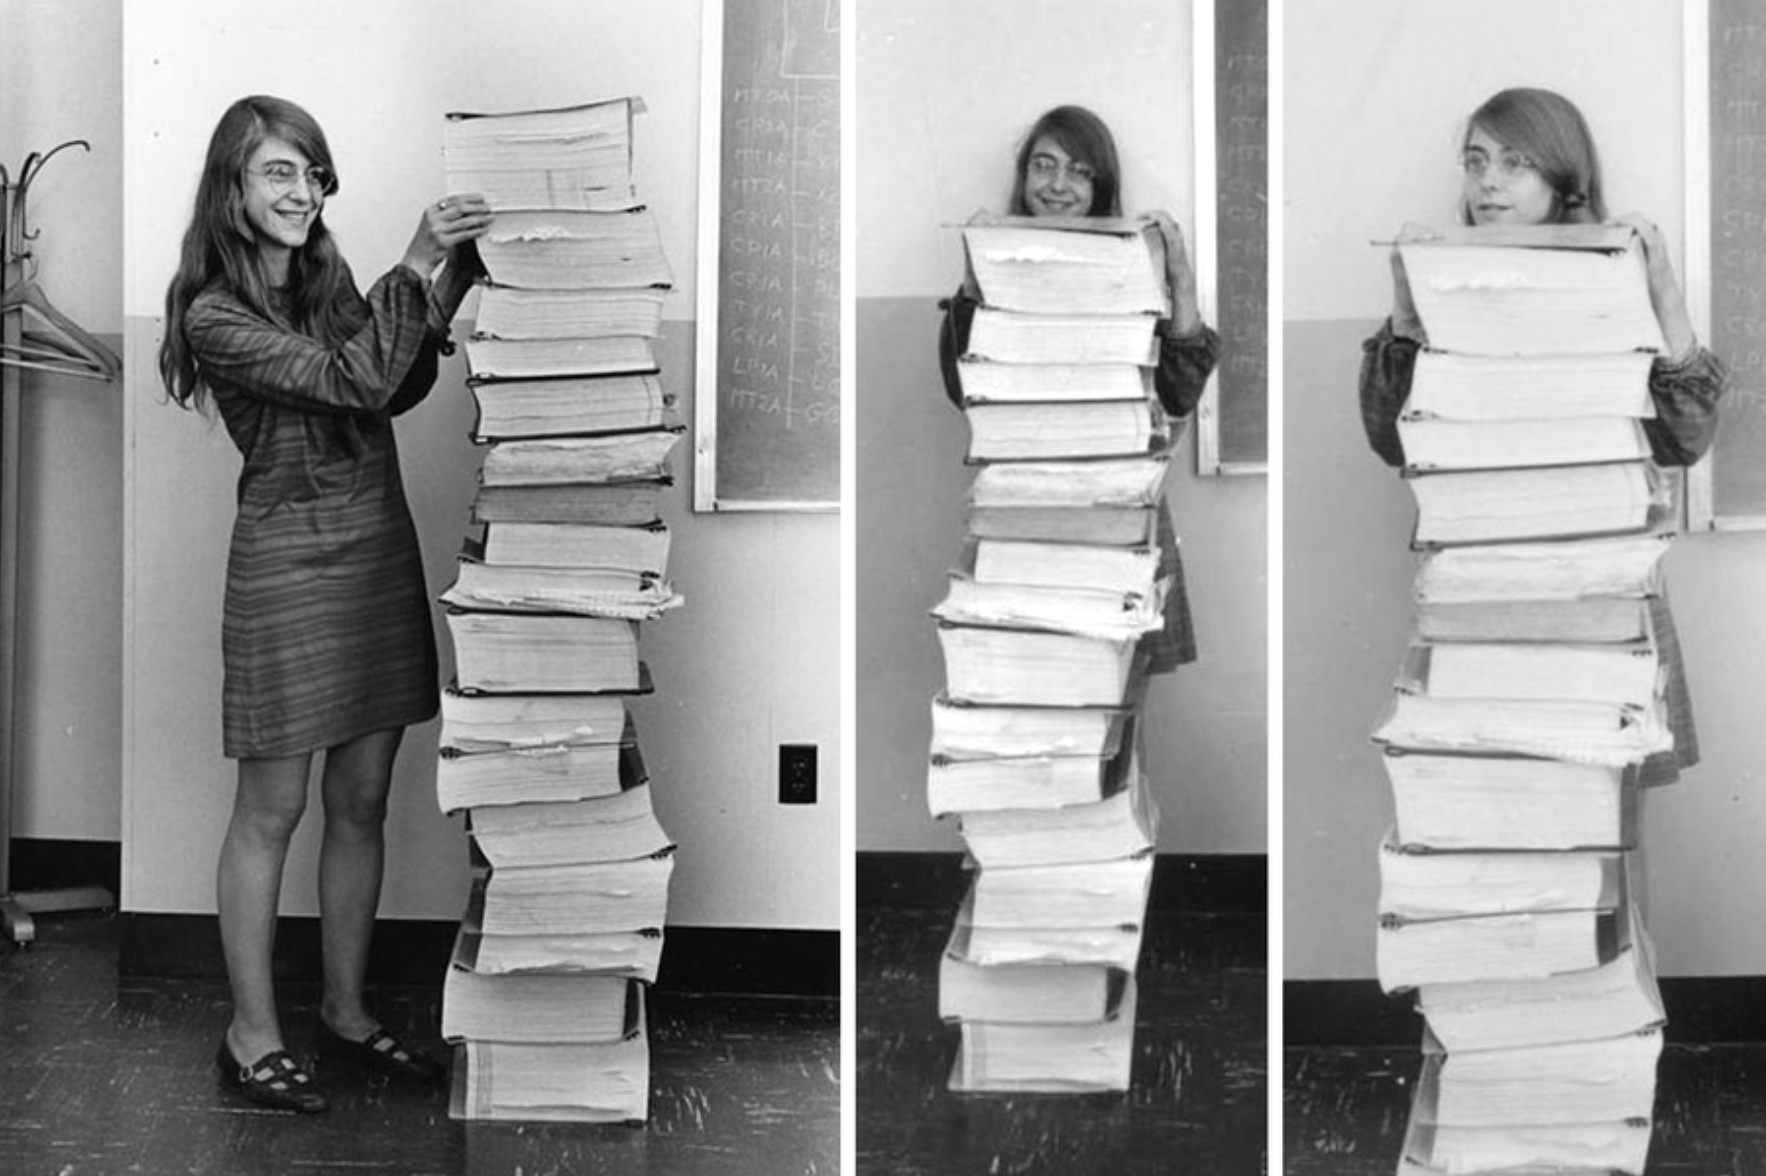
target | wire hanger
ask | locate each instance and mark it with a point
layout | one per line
(58, 344)
(61, 345)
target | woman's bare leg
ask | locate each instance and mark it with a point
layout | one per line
(357, 778)
(267, 808)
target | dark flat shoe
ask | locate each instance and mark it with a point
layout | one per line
(383, 1053)
(275, 1080)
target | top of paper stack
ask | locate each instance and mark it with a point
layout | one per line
(1532, 290)
(1070, 265)
(575, 157)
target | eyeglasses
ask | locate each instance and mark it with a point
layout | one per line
(1507, 165)
(1048, 167)
(282, 178)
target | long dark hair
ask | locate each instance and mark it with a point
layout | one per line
(1085, 139)
(1547, 128)
(221, 249)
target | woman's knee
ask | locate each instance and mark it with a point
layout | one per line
(358, 778)
(272, 797)
(357, 803)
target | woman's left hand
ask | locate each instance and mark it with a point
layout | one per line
(1665, 294)
(446, 225)
(455, 220)
(1180, 277)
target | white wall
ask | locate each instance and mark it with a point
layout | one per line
(379, 76)
(752, 660)
(944, 94)
(1376, 96)
(61, 79)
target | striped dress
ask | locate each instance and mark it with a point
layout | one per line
(327, 632)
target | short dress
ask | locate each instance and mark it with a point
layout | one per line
(326, 632)
(1685, 393)
(1185, 363)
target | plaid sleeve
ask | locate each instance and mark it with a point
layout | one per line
(1185, 363)
(237, 347)
(1387, 363)
(953, 340)
(1685, 394)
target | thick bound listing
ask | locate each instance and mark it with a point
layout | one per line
(567, 554)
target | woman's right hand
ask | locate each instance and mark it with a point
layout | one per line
(971, 289)
(449, 222)
(1405, 322)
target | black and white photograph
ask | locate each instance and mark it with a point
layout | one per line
(794, 587)
(422, 614)
(1521, 312)
(1061, 588)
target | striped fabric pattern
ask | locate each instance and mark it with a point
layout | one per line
(326, 633)
(1175, 644)
(1664, 767)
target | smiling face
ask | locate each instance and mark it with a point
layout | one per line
(281, 215)
(1502, 186)
(1054, 184)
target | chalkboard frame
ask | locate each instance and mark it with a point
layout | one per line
(1211, 461)
(710, 227)
(1699, 497)
(1700, 276)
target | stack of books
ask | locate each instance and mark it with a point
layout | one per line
(566, 555)
(1530, 697)
(1035, 752)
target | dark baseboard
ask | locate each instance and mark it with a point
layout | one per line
(1702, 1010)
(1202, 883)
(39, 863)
(1708, 1010)
(751, 961)
(1346, 1013)
(700, 960)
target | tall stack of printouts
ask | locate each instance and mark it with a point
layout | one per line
(1531, 699)
(1035, 749)
(567, 553)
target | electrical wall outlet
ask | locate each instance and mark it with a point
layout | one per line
(797, 773)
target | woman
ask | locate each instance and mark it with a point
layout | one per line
(1528, 159)
(326, 637)
(1067, 166)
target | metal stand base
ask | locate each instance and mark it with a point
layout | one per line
(15, 254)
(16, 909)
(17, 922)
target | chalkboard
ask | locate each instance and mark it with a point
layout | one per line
(768, 402)
(1235, 417)
(1736, 67)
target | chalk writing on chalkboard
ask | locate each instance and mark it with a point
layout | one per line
(1737, 65)
(1239, 420)
(772, 437)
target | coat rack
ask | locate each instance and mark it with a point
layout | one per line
(34, 336)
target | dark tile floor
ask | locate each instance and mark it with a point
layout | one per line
(1200, 1085)
(1344, 1110)
(99, 1076)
